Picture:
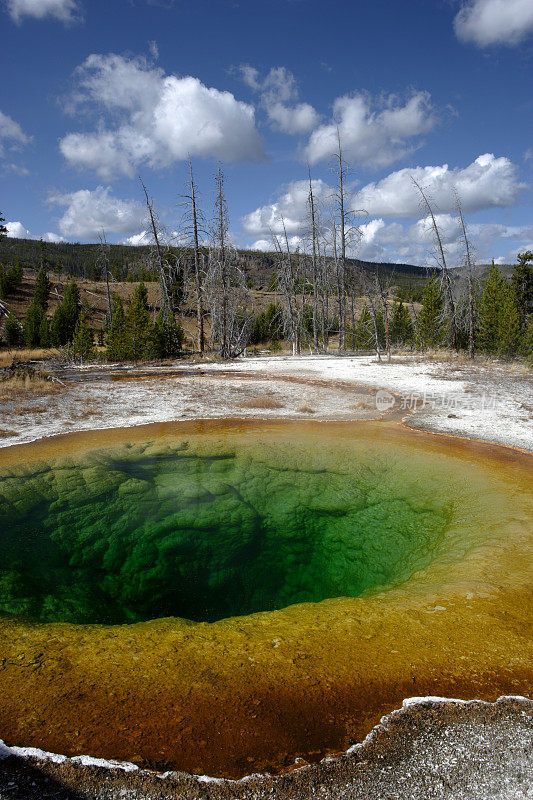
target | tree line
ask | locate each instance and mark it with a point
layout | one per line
(318, 291)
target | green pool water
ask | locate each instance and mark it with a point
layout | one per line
(204, 528)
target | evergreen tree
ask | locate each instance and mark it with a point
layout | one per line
(82, 341)
(12, 330)
(522, 280)
(71, 308)
(57, 328)
(32, 324)
(3, 229)
(401, 325)
(44, 332)
(498, 323)
(42, 289)
(140, 329)
(430, 319)
(363, 335)
(168, 337)
(526, 348)
(66, 316)
(15, 276)
(118, 347)
(3, 283)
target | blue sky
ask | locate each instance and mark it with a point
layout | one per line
(94, 94)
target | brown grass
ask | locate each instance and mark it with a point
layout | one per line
(7, 356)
(4, 433)
(305, 410)
(262, 402)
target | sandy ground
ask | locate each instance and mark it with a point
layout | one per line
(429, 749)
(490, 402)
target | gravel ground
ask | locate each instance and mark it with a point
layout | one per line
(431, 748)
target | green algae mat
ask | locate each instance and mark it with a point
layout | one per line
(328, 543)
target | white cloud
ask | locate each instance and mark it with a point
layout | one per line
(373, 137)
(53, 237)
(292, 205)
(89, 212)
(155, 119)
(16, 230)
(380, 239)
(487, 22)
(413, 243)
(138, 239)
(63, 10)
(279, 95)
(488, 182)
(11, 133)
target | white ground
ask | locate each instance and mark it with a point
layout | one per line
(491, 402)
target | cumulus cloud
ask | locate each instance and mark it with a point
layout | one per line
(155, 119)
(370, 136)
(413, 243)
(88, 212)
(488, 182)
(11, 134)
(488, 22)
(16, 230)
(292, 205)
(63, 10)
(382, 239)
(279, 95)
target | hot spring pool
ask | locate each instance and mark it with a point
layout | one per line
(360, 550)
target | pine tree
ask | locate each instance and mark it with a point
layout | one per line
(82, 341)
(44, 332)
(3, 283)
(498, 328)
(57, 328)
(140, 329)
(168, 337)
(32, 323)
(118, 348)
(526, 348)
(42, 289)
(71, 309)
(401, 325)
(12, 330)
(522, 280)
(66, 316)
(430, 319)
(3, 229)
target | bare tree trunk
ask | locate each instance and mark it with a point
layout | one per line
(221, 224)
(314, 238)
(417, 325)
(471, 304)
(165, 296)
(448, 294)
(105, 260)
(383, 299)
(197, 274)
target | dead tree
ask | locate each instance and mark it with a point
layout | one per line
(470, 278)
(342, 214)
(449, 302)
(225, 285)
(382, 294)
(103, 260)
(286, 284)
(166, 304)
(192, 226)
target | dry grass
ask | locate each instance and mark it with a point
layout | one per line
(305, 410)
(5, 433)
(262, 402)
(40, 354)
